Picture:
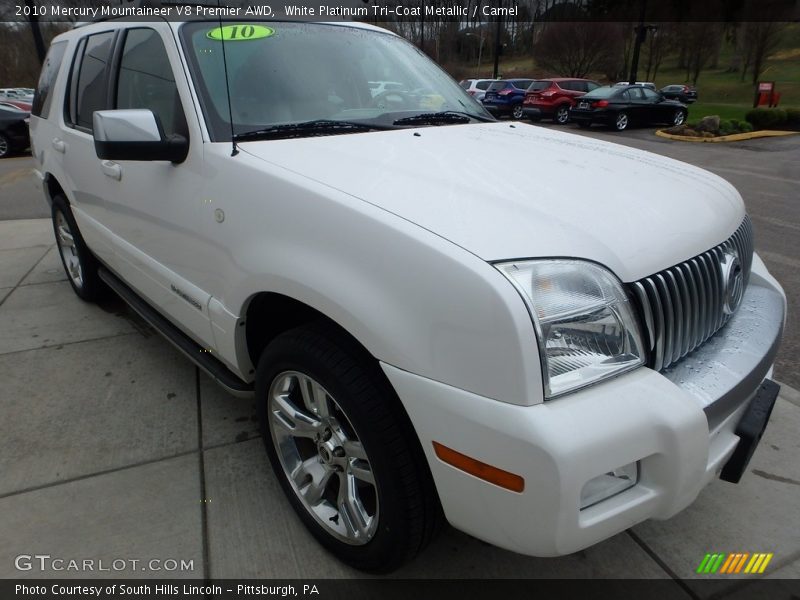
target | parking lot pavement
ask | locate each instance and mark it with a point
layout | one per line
(113, 446)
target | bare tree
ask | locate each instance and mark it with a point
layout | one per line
(659, 43)
(759, 40)
(576, 49)
(700, 42)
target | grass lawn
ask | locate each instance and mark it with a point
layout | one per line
(699, 109)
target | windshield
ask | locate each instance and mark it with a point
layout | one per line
(287, 73)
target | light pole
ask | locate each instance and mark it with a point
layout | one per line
(480, 47)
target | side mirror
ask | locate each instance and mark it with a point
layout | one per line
(135, 134)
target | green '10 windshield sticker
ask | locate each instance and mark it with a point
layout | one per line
(238, 33)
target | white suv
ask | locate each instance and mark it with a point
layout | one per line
(476, 87)
(427, 331)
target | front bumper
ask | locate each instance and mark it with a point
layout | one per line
(679, 425)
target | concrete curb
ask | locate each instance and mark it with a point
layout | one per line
(789, 394)
(736, 137)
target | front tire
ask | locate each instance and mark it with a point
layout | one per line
(343, 449)
(679, 117)
(621, 122)
(517, 113)
(562, 115)
(5, 146)
(79, 263)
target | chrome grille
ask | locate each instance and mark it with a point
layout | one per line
(683, 306)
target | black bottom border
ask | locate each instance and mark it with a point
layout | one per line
(736, 588)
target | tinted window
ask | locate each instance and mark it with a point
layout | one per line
(538, 86)
(569, 85)
(625, 96)
(636, 93)
(92, 75)
(591, 85)
(602, 92)
(483, 85)
(496, 86)
(146, 80)
(650, 94)
(522, 85)
(465, 84)
(52, 62)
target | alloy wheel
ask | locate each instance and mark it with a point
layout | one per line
(322, 457)
(562, 115)
(4, 147)
(68, 250)
(622, 121)
(517, 112)
(679, 117)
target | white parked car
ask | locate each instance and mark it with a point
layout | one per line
(476, 87)
(425, 331)
(647, 84)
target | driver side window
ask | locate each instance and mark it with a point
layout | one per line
(146, 80)
(650, 95)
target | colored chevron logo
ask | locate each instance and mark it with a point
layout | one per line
(734, 563)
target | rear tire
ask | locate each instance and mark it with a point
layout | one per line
(517, 113)
(79, 263)
(343, 450)
(621, 121)
(679, 117)
(562, 115)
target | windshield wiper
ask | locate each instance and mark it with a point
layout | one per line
(444, 117)
(306, 129)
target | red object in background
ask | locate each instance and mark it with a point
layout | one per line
(766, 95)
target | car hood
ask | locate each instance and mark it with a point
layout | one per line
(505, 191)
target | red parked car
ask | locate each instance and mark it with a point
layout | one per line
(20, 104)
(552, 98)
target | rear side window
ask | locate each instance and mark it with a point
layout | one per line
(538, 86)
(89, 78)
(483, 85)
(465, 84)
(47, 79)
(591, 85)
(146, 80)
(497, 86)
(569, 85)
(522, 85)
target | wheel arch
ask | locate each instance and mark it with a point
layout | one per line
(52, 188)
(269, 314)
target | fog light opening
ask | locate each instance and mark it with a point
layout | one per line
(609, 484)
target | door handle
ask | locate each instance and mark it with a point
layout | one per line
(111, 169)
(59, 145)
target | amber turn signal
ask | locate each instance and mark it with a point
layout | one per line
(479, 469)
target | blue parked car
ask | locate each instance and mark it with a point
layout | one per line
(504, 97)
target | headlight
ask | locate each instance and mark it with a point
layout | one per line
(586, 328)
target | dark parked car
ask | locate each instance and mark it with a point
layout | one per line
(681, 93)
(505, 97)
(552, 98)
(620, 106)
(14, 135)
